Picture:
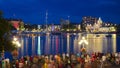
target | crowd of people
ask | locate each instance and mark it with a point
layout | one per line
(83, 60)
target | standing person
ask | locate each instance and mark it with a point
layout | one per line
(21, 65)
(34, 66)
(46, 62)
(17, 64)
(45, 65)
(103, 61)
(82, 62)
(60, 64)
(3, 64)
(35, 62)
(51, 64)
(87, 62)
(7, 65)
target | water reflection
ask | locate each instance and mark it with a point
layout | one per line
(66, 43)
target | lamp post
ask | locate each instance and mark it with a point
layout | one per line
(17, 43)
(83, 41)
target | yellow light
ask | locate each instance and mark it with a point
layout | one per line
(15, 39)
(18, 44)
(83, 41)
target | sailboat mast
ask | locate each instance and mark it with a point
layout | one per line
(46, 20)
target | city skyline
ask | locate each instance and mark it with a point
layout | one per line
(34, 11)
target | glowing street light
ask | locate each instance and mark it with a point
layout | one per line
(15, 39)
(83, 41)
(16, 42)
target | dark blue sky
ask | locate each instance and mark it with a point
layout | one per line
(33, 11)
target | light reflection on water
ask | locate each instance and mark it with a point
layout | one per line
(67, 43)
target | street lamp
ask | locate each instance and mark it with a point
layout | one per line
(83, 41)
(16, 42)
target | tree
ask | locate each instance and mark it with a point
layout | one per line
(5, 32)
(21, 26)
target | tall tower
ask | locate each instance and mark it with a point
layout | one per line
(99, 21)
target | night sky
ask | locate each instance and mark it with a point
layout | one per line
(33, 11)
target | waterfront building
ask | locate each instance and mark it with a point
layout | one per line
(91, 24)
(55, 27)
(17, 23)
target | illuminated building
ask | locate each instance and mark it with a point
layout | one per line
(91, 24)
(16, 23)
